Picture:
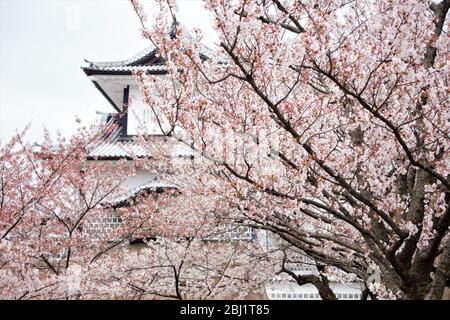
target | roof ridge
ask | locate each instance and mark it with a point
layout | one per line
(143, 55)
(158, 68)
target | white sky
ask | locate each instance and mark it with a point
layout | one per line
(42, 46)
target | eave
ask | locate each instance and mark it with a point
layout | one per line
(157, 69)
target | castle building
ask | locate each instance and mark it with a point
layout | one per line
(116, 82)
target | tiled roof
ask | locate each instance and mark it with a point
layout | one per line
(151, 186)
(118, 149)
(152, 69)
(138, 59)
(146, 60)
(113, 145)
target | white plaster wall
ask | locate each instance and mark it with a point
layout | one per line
(266, 239)
(141, 118)
(141, 177)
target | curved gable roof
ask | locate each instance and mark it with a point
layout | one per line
(146, 60)
(140, 58)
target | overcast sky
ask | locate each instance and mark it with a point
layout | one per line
(42, 46)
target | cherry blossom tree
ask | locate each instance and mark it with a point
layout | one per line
(323, 122)
(48, 192)
(50, 196)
